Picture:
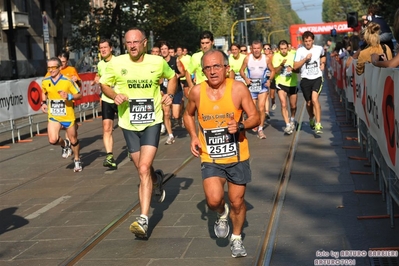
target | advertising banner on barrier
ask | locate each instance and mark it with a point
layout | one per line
(359, 100)
(374, 99)
(6, 110)
(384, 130)
(90, 92)
(371, 100)
(349, 84)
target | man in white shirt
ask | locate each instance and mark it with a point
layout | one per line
(310, 60)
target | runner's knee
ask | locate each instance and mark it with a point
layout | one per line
(56, 142)
(75, 144)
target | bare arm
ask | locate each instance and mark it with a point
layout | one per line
(244, 100)
(242, 70)
(189, 119)
(394, 62)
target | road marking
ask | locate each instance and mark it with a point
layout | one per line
(47, 207)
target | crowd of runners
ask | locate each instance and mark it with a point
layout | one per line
(215, 96)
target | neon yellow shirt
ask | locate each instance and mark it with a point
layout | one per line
(101, 67)
(140, 82)
(284, 77)
(235, 65)
(195, 67)
(59, 109)
(185, 60)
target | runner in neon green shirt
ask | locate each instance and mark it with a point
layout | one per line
(286, 84)
(206, 41)
(235, 61)
(135, 77)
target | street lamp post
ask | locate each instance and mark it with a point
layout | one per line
(245, 22)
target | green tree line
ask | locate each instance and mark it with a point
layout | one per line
(181, 21)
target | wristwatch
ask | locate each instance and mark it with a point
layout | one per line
(171, 96)
(241, 127)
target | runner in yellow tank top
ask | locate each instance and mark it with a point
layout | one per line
(221, 143)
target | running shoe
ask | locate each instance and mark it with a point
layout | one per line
(66, 150)
(255, 129)
(261, 135)
(267, 115)
(237, 248)
(221, 227)
(157, 187)
(139, 228)
(318, 128)
(274, 106)
(288, 129)
(312, 123)
(78, 166)
(293, 125)
(170, 140)
(109, 161)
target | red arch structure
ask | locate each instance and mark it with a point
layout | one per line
(297, 30)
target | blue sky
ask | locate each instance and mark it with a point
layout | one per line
(307, 10)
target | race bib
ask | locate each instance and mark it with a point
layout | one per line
(58, 107)
(142, 111)
(238, 77)
(312, 68)
(220, 143)
(256, 85)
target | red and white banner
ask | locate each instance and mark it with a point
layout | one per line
(374, 99)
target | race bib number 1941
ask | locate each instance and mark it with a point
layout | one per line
(141, 111)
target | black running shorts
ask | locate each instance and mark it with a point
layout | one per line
(310, 85)
(136, 139)
(237, 173)
(108, 110)
(289, 90)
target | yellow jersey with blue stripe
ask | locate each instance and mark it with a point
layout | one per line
(59, 109)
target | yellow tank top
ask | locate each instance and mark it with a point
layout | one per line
(218, 146)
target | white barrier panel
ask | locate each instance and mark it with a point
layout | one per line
(349, 83)
(6, 109)
(359, 100)
(374, 99)
(383, 114)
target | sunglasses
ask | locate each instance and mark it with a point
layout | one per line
(243, 50)
(268, 48)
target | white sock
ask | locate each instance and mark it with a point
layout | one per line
(288, 125)
(145, 217)
(260, 128)
(171, 135)
(235, 237)
(292, 119)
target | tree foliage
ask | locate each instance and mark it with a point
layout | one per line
(336, 10)
(178, 22)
